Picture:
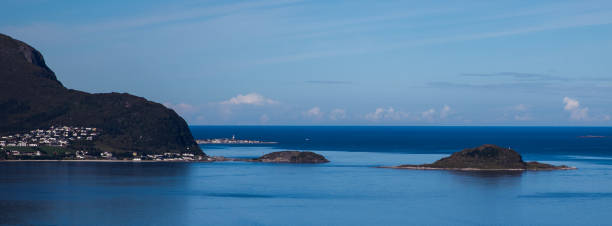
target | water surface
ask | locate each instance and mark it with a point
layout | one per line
(346, 191)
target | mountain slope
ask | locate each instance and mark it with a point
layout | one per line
(31, 97)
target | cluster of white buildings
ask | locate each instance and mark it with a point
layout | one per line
(18, 153)
(232, 140)
(55, 136)
(62, 136)
(171, 157)
(86, 155)
(138, 157)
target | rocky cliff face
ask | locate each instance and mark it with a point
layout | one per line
(31, 97)
(18, 58)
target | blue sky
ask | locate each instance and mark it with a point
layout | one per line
(291, 62)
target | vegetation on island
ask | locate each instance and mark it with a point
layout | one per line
(485, 157)
(292, 157)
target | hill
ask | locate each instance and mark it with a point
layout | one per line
(485, 157)
(292, 157)
(31, 97)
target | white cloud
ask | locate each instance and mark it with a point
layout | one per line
(522, 117)
(314, 112)
(580, 114)
(387, 114)
(432, 114)
(520, 112)
(570, 104)
(393, 114)
(446, 110)
(200, 118)
(429, 114)
(250, 99)
(520, 107)
(573, 107)
(337, 114)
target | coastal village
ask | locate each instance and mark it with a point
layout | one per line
(232, 140)
(54, 136)
(54, 143)
(28, 146)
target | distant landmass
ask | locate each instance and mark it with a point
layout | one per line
(298, 157)
(485, 157)
(292, 157)
(32, 98)
(232, 140)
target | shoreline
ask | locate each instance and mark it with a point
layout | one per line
(470, 169)
(76, 160)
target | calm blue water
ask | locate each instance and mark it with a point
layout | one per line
(347, 191)
(425, 140)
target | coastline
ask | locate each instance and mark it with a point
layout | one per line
(471, 169)
(96, 160)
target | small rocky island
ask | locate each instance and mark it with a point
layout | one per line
(485, 157)
(292, 157)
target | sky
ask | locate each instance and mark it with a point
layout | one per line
(292, 62)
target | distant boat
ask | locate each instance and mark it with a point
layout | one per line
(592, 136)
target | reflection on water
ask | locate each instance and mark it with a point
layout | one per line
(502, 174)
(349, 190)
(556, 195)
(42, 192)
(17, 211)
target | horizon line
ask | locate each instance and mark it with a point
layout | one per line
(336, 125)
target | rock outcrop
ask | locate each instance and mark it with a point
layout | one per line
(292, 157)
(31, 97)
(485, 157)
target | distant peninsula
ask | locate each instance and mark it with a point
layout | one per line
(42, 119)
(292, 157)
(298, 157)
(485, 157)
(232, 140)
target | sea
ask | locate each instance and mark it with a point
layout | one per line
(349, 190)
